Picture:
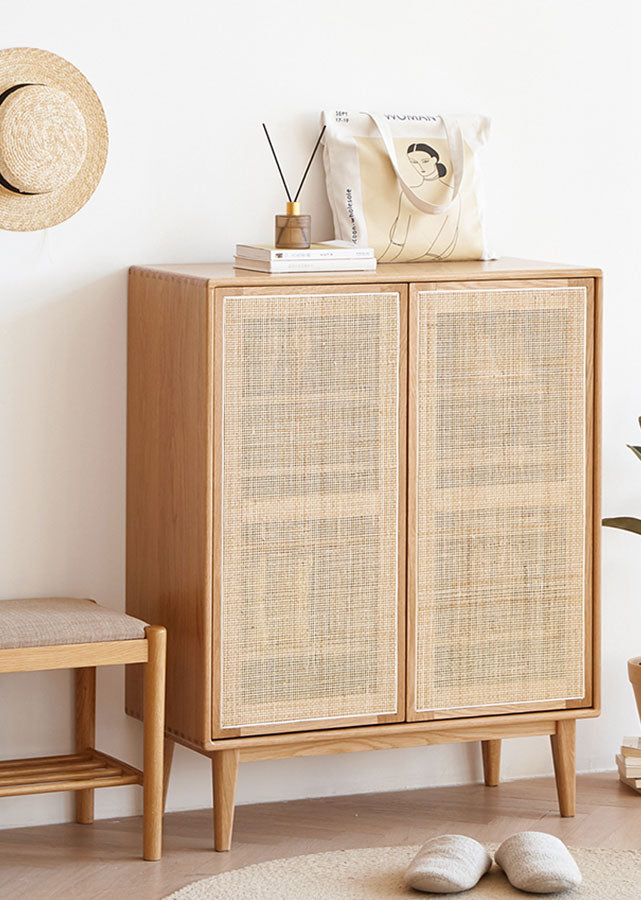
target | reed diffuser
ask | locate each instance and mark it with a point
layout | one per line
(293, 230)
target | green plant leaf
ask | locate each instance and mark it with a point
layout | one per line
(635, 450)
(627, 523)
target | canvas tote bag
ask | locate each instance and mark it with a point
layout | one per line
(406, 185)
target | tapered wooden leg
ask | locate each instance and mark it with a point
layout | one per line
(491, 752)
(224, 771)
(564, 756)
(166, 769)
(154, 732)
(85, 734)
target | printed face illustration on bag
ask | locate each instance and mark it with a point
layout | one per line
(425, 160)
(403, 239)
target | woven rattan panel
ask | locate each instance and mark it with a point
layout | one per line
(309, 507)
(500, 496)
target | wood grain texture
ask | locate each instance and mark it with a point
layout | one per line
(85, 713)
(491, 754)
(154, 735)
(73, 656)
(44, 762)
(59, 862)
(380, 741)
(224, 774)
(81, 773)
(169, 489)
(40, 766)
(106, 760)
(564, 756)
(51, 777)
(71, 784)
(225, 275)
(404, 733)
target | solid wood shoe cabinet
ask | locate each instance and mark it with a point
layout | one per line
(366, 508)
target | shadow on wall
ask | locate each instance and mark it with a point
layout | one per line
(62, 460)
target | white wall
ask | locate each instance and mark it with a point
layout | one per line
(185, 87)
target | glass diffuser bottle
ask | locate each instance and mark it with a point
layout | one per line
(293, 230)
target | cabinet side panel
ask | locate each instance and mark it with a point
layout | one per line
(169, 489)
(501, 498)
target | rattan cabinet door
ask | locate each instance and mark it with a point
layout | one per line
(309, 509)
(499, 510)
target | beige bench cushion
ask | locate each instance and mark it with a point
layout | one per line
(45, 621)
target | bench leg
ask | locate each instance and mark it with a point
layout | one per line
(154, 732)
(224, 770)
(564, 757)
(491, 751)
(85, 734)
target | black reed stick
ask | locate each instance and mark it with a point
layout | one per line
(289, 196)
(311, 160)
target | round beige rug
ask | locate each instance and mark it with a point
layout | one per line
(377, 874)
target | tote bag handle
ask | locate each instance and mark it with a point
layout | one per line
(457, 157)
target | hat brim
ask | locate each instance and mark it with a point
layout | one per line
(28, 65)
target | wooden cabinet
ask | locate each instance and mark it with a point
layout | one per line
(366, 507)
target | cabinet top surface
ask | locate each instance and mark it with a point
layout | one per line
(225, 275)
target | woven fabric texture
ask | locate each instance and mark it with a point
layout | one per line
(500, 496)
(538, 862)
(309, 507)
(448, 864)
(378, 873)
(47, 621)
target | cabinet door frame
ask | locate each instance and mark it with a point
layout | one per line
(592, 496)
(306, 290)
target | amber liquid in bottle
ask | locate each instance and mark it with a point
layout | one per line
(293, 230)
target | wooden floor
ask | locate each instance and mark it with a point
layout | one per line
(92, 862)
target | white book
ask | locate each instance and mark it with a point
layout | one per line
(306, 265)
(325, 250)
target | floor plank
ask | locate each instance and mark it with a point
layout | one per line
(101, 861)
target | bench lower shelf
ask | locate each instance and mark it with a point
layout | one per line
(71, 772)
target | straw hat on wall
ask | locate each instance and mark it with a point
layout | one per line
(53, 139)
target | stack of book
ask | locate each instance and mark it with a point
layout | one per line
(629, 762)
(331, 256)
